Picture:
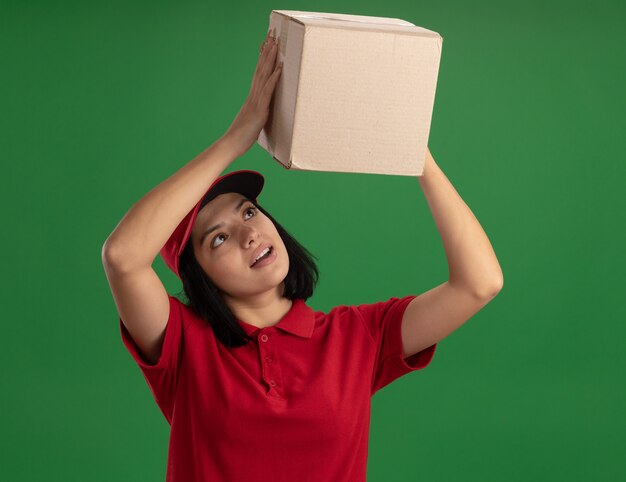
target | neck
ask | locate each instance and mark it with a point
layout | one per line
(262, 310)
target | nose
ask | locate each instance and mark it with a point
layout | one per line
(249, 234)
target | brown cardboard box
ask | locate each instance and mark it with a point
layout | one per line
(356, 93)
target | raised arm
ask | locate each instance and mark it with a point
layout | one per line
(130, 250)
(142, 232)
(475, 276)
(144, 229)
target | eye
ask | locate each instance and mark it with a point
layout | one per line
(251, 208)
(213, 242)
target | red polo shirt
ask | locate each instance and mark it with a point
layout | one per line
(294, 404)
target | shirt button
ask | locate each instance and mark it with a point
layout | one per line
(272, 383)
(264, 337)
(268, 359)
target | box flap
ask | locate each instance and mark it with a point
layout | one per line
(340, 20)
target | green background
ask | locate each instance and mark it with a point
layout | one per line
(102, 101)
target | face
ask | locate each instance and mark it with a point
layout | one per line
(227, 252)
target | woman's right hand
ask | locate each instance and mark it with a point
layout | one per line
(253, 115)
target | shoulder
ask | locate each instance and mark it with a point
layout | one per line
(342, 317)
(182, 312)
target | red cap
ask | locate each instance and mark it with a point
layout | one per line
(249, 183)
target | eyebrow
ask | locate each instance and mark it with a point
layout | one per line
(213, 228)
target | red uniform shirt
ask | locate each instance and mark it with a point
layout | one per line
(292, 405)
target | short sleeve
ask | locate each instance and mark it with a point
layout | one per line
(383, 320)
(162, 377)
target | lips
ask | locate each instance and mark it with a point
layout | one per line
(258, 251)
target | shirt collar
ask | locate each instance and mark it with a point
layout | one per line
(299, 320)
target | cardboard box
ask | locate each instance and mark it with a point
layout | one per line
(356, 93)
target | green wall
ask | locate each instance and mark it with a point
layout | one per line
(102, 101)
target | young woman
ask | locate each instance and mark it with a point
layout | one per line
(254, 383)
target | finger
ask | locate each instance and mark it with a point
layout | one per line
(268, 60)
(267, 39)
(268, 89)
(265, 65)
(266, 51)
(262, 59)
